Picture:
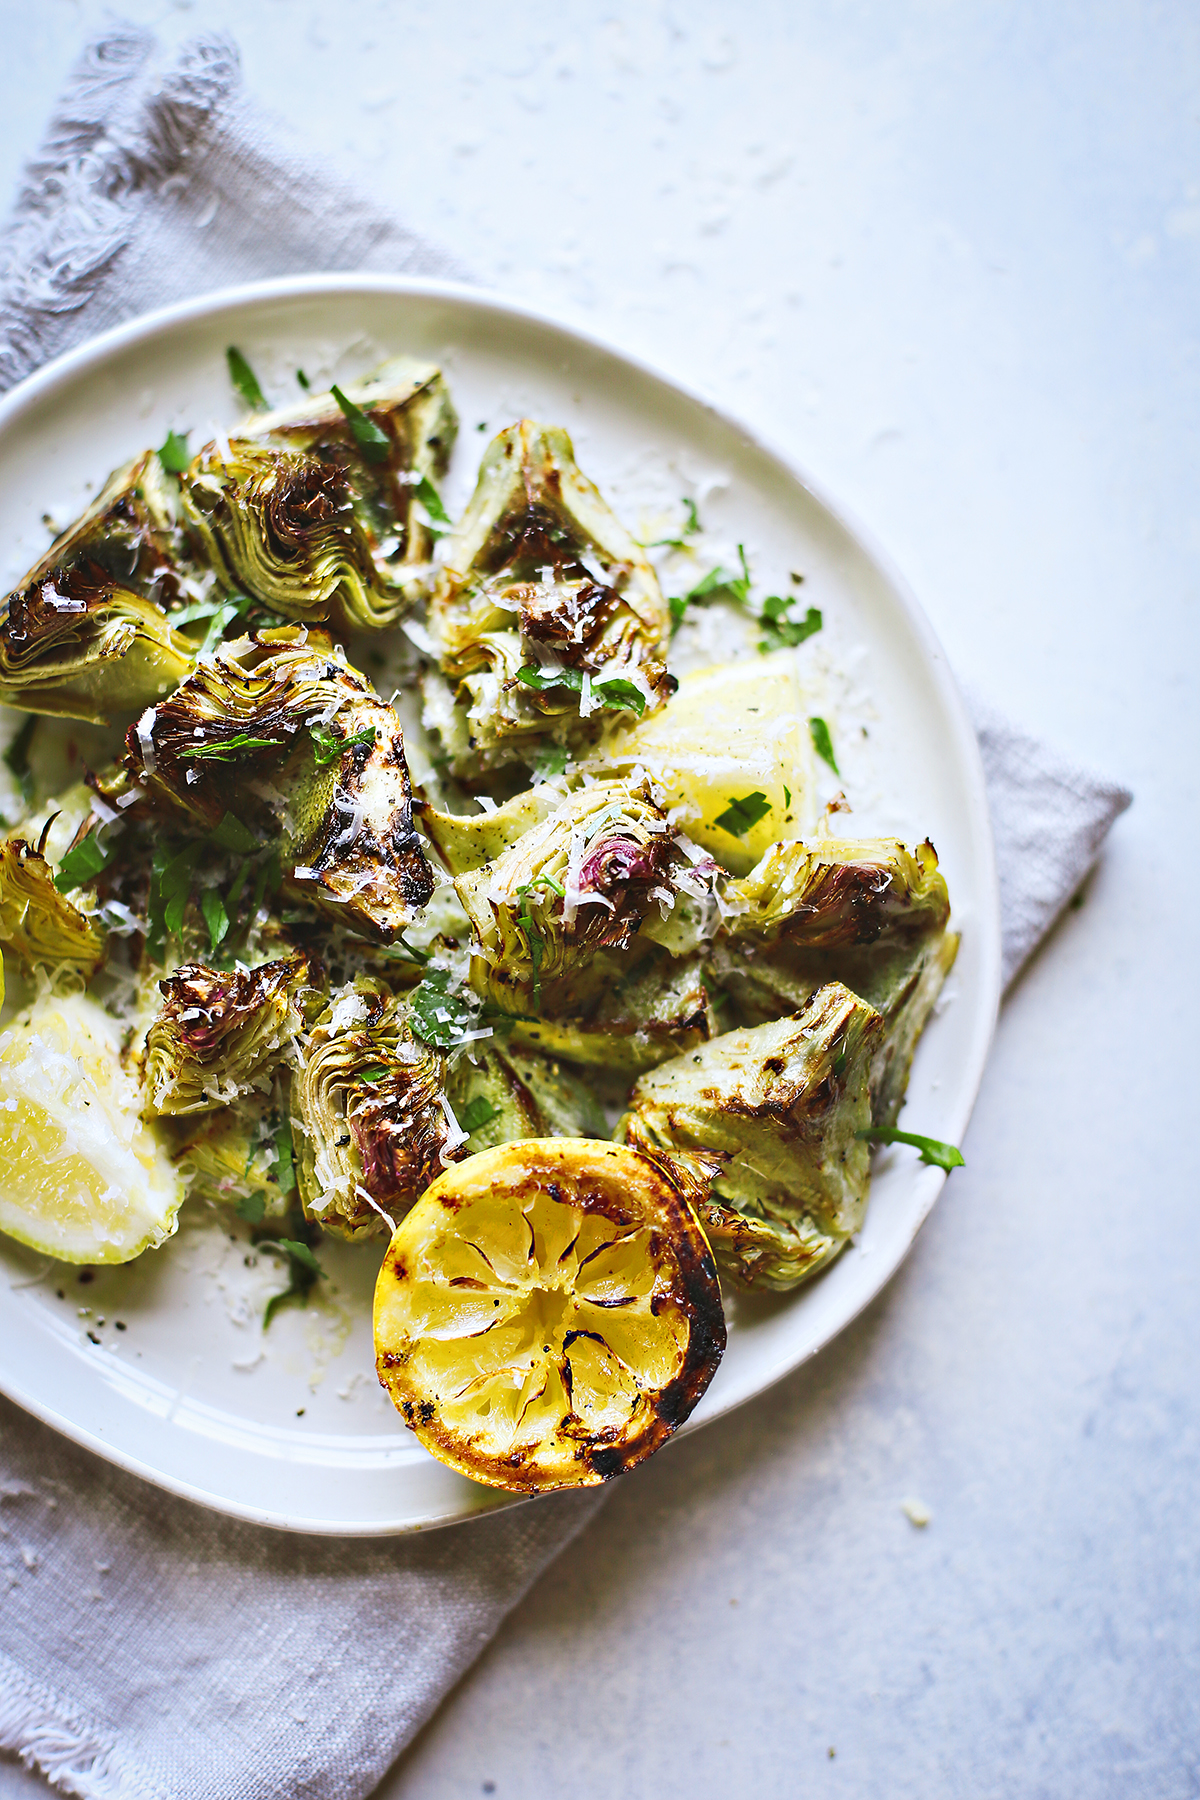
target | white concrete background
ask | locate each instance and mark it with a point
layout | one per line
(948, 254)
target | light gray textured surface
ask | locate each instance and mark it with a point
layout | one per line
(948, 255)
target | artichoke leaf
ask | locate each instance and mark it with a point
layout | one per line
(220, 1034)
(39, 925)
(651, 1007)
(468, 841)
(230, 1154)
(238, 736)
(759, 1127)
(541, 574)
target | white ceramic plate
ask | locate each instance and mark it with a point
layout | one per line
(291, 1429)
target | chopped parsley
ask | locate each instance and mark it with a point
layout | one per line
(174, 455)
(285, 1167)
(170, 885)
(82, 862)
(780, 630)
(252, 1206)
(741, 816)
(16, 757)
(431, 500)
(373, 1072)
(552, 761)
(229, 749)
(476, 1113)
(302, 378)
(304, 1271)
(374, 443)
(245, 380)
(231, 834)
(933, 1151)
(691, 525)
(327, 748)
(616, 693)
(818, 730)
(532, 676)
(212, 908)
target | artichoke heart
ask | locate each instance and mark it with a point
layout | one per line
(78, 645)
(223, 1033)
(375, 1127)
(759, 1128)
(280, 729)
(37, 923)
(872, 914)
(540, 574)
(578, 883)
(409, 402)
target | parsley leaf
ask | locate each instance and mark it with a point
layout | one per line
(285, 1166)
(552, 760)
(476, 1113)
(404, 952)
(327, 748)
(245, 380)
(174, 455)
(441, 1015)
(818, 730)
(215, 917)
(741, 816)
(620, 695)
(81, 863)
(374, 443)
(229, 749)
(302, 378)
(535, 678)
(303, 1271)
(431, 500)
(779, 630)
(690, 526)
(16, 757)
(231, 834)
(252, 1207)
(170, 885)
(933, 1151)
(373, 1072)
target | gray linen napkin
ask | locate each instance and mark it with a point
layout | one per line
(149, 1649)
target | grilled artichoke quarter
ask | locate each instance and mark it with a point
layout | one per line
(223, 1033)
(540, 576)
(759, 1129)
(37, 923)
(548, 1314)
(278, 728)
(870, 913)
(295, 512)
(381, 1113)
(557, 919)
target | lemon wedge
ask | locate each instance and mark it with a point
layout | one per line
(547, 1314)
(731, 745)
(82, 1176)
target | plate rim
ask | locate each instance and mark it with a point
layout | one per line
(41, 383)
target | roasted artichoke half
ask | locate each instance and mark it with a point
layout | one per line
(278, 728)
(39, 925)
(871, 913)
(381, 1112)
(759, 1128)
(548, 1314)
(579, 882)
(220, 1034)
(311, 521)
(541, 580)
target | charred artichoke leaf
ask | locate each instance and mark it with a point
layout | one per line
(759, 1128)
(372, 1123)
(467, 841)
(78, 645)
(873, 915)
(223, 1033)
(540, 574)
(37, 923)
(247, 733)
(578, 883)
(409, 403)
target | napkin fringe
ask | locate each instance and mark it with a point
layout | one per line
(69, 1754)
(125, 124)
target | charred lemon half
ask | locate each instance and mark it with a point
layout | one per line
(547, 1314)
